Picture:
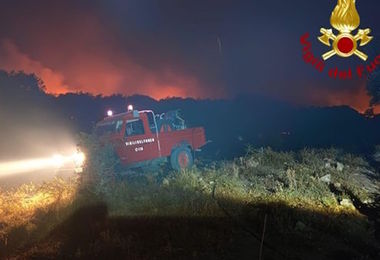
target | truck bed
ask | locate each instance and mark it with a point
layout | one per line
(195, 137)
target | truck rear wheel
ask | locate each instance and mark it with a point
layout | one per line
(181, 158)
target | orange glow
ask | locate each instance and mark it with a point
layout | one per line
(92, 59)
(14, 60)
(358, 99)
(353, 94)
(97, 75)
(76, 50)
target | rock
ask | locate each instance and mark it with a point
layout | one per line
(252, 164)
(347, 203)
(300, 226)
(165, 182)
(328, 163)
(326, 179)
(366, 180)
(368, 201)
(333, 164)
(339, 166)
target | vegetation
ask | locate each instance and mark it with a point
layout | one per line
(377, 153)
(304, 197)
(30, 212)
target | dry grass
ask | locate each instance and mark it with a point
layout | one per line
(22, 209)
(286, 186)
(264, 175)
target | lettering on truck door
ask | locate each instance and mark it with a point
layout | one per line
(140, 143)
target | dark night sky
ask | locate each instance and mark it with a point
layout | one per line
(198, 48)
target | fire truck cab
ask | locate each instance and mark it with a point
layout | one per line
(140, 137)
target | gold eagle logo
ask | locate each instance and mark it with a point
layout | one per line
(345, 19)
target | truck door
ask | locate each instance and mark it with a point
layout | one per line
(141, 142)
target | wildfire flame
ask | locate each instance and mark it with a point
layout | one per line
(345, 18)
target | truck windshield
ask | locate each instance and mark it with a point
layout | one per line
(109, 127)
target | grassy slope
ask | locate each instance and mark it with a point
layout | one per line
(217, 211)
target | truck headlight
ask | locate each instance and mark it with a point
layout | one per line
(79, 158)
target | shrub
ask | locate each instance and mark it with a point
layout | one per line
(102, 164)
(30, 212)
(377, 153)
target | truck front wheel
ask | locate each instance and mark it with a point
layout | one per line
(181, 158)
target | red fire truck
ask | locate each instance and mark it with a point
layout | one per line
(142, 137)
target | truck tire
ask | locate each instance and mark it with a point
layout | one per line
(181, 158)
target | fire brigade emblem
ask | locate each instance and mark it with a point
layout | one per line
(345, 19)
